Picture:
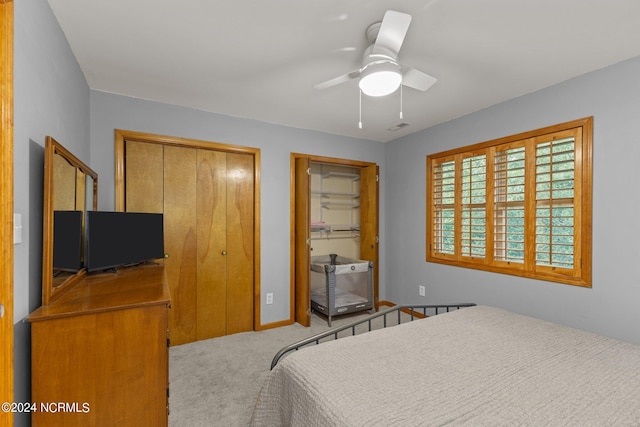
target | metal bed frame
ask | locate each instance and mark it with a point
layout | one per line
(415, 311)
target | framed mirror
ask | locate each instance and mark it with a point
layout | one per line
(70, 189)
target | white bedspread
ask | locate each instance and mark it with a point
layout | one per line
(478, 366)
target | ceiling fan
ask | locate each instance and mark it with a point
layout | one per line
(381, 73)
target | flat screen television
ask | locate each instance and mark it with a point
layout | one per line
(117, 239)
(67, 241)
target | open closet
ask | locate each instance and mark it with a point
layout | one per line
(335, 213)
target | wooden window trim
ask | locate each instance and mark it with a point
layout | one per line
(580, 274)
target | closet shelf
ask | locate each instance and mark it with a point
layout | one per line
(353, 176)
(329, 236)
(340, 205)
(330, 194)
(332, 228)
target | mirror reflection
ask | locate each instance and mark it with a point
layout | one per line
(70, 190)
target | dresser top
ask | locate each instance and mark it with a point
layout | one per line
(127, 288)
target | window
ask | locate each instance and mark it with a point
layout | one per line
(518, 205)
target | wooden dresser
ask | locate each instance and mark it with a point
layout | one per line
(100, 352)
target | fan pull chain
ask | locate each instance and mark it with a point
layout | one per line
(360, 110)
(401, 102)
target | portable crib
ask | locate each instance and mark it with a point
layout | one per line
(341, 285)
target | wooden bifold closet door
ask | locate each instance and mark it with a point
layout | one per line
(207, 199)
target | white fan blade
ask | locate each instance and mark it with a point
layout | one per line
(338, 80)
(391, 34)
(416, 79)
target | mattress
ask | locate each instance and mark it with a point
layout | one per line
(478, 366)
(343, 298)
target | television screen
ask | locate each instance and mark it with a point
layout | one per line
(67, 241)
(116, 239)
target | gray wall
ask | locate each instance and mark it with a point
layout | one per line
(612, 96)
(51, 98)
(276, 143)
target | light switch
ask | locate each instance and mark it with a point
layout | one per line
(17, 228)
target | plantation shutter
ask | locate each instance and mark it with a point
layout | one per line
(556, 232)
(509, 204)
(444, 180)
(474, 206)
(518, 205)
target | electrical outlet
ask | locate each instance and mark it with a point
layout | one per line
(421, 290)
(269, 298)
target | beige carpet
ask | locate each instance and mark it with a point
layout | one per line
(216, 382)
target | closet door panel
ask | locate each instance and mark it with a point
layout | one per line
(369, 190)
(144, 172)
(240, 194)
(180, 222)
(302, 195)
(212, 246)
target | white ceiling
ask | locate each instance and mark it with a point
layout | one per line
(260, 59)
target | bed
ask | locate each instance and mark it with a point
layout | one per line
(477, 366)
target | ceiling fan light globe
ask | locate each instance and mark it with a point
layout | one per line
(380, 79)
(381, 83)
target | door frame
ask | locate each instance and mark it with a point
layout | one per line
(122, 135)
(294, 297)
(6, 207)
